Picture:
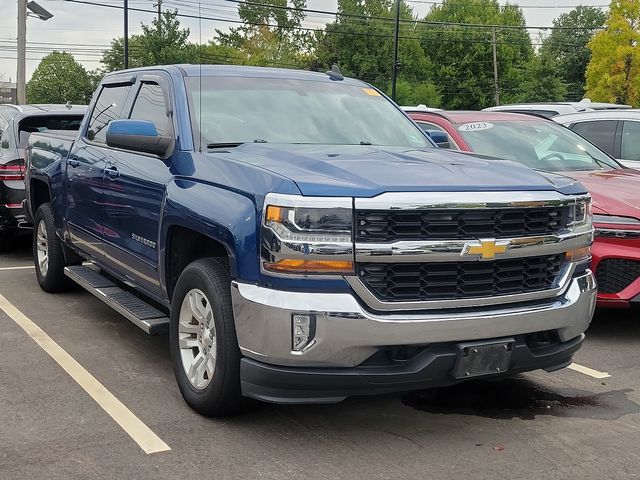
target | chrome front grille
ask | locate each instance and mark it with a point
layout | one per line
(458, 280)
(460, 249)
(387, 226)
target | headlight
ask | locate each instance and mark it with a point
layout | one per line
(581, 213)
(613, 226)
(616, 220)
(307, 239)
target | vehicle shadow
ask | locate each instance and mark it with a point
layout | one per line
(615, 325)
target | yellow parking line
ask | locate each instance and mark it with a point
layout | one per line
(588, 371)
(23, 267)
(132, 425)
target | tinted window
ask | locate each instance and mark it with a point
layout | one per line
(540, 144)
(150, 105)
(631, 141)
(430, 126)
(600, 132)
(108, 107)
(282, 110)
(4, 133)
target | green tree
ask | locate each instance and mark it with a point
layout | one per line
(568, 45)
(272, 34)
(541, 81)
(360, 41)
(613, 74)
(163, 42)
(59, 79)
(411, 93)
(463, 56)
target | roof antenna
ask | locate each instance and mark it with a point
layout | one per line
(68, 105)
(335, 73)
(200, 76)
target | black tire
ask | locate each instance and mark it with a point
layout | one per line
(7, 241)
(54, 279)
(222, 395)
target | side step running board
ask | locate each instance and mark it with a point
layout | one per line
(148, 318)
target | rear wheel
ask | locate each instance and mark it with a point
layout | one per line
(204, 347)
(48, 253)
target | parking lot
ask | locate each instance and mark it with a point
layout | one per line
(569, 424)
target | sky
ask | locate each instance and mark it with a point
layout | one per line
(86, 30)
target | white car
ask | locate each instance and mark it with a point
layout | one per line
(617, 132)
(552, 109)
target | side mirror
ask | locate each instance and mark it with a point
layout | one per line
(440, 138)
(138, 136)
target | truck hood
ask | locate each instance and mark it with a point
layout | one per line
(366, 171)
(614, 192)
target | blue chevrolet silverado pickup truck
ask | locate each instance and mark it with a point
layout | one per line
(302, 240)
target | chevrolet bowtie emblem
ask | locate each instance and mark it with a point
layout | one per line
(487, 249)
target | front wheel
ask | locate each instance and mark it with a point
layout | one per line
(48, 253)
(202, 337)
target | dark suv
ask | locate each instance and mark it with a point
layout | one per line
(16, 124)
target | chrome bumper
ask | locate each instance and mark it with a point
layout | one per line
(347, 334)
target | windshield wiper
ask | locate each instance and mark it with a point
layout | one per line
(366, 142)
(232, 144)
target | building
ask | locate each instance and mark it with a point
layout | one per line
(8, 93)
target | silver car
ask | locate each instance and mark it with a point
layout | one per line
(617, 132)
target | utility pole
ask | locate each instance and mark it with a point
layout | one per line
(159, 5)
(396, 64)
(22, 52)
(126, 34)
(495, 66)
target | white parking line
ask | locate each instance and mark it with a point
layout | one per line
(22, 267)
(132, 425)
(588, 371)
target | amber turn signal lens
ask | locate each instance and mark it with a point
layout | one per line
(310, 266)
(578, 254)
(274, 214)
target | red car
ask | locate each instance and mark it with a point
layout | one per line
(544, 145)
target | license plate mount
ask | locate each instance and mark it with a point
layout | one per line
(483, 358)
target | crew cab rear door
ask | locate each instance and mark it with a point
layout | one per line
(134, 191)
(86, 164)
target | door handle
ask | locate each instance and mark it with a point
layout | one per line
(111, 171)
(73, 161)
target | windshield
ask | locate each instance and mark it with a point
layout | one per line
(240, 110)
(537, 144)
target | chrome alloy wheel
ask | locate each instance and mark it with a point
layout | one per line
(42, 247)
(197, 338)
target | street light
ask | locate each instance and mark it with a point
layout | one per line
(38, 11)
(31, 9)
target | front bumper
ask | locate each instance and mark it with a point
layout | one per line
(347, 334)
(617, 248)
(431, 368)
(342, 358)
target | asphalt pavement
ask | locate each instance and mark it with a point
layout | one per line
(576, 423)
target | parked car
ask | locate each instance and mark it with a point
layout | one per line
(616, 132)
(16, 124)
(552, 109)
(544, 145)
(306, 238)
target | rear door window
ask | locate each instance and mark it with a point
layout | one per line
(630, 141)
(600, 132)
(109, 106)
